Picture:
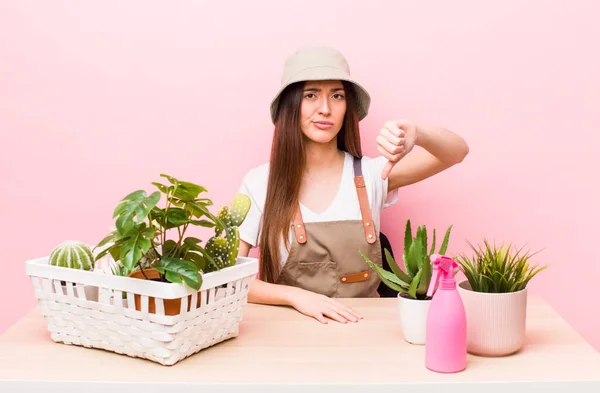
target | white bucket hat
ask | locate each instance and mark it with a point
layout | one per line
(320, 63)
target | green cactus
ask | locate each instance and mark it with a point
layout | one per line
(224, 249)
(225, 218)
(72, 254)
(239, 209)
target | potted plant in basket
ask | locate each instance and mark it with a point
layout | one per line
(413, 282)
(495, 297)
(142, 248)
(153, 242)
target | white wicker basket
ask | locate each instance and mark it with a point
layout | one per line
(97, 310)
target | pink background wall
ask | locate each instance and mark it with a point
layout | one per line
(96, 100)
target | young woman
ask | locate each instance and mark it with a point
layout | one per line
(318, 201)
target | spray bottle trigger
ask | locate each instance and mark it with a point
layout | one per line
(435, 274)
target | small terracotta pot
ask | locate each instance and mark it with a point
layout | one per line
(495, 321)
(171, 306)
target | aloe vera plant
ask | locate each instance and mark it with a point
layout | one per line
(498, 269)
(141, 239)
(414, 280)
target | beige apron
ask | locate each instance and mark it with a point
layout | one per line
(324, 256)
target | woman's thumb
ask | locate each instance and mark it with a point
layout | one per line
(387, 169)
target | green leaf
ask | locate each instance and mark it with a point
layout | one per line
(177, 202)
(197, 259)
(191, 241)
(206, 255)
(113, 236)
(395, 268)
(135, 205)
(106, 251)
(115, 253)
(116, 246)
(413, 258)
(412, 291)
(134, 196)
(385, 276)
(152, 201)
(393, 286)
(202, 223)
(177, 270)
(176, 217)
(444, 245)
(423, 242)
(173, 277)
(199, 210)
(204, 201)
(432, 250)
(192, 244)
(161, 187)
(497, 269)
(171, 179)
(407, 237)
(187, 191)
(169, 248)
(139, 242)
(157, 213)
(425, 276)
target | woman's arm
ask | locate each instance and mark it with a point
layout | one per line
(262, 292)
(441, 149)
(308, 303)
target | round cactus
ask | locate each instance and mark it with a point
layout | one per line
(72, 254)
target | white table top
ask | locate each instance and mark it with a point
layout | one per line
(280, 350)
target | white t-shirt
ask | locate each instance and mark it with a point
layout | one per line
(345, 205)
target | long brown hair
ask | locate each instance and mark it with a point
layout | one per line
(286, 168)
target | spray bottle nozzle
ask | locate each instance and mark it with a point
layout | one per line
(443, 268)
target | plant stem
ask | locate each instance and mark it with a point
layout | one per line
(167, 205)
(142, 270)
(181, 234)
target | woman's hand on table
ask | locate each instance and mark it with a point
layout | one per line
(322, 307)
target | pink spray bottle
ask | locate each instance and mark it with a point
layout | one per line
(446, 335)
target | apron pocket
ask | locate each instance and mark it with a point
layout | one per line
(318, 276)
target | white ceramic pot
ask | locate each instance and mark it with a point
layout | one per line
(413, 319)
(495, 321)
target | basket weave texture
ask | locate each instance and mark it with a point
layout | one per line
(95, 309)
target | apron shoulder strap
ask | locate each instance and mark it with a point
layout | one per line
(357, 167)
(299, 226)
(363, 200)
(365, 210)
